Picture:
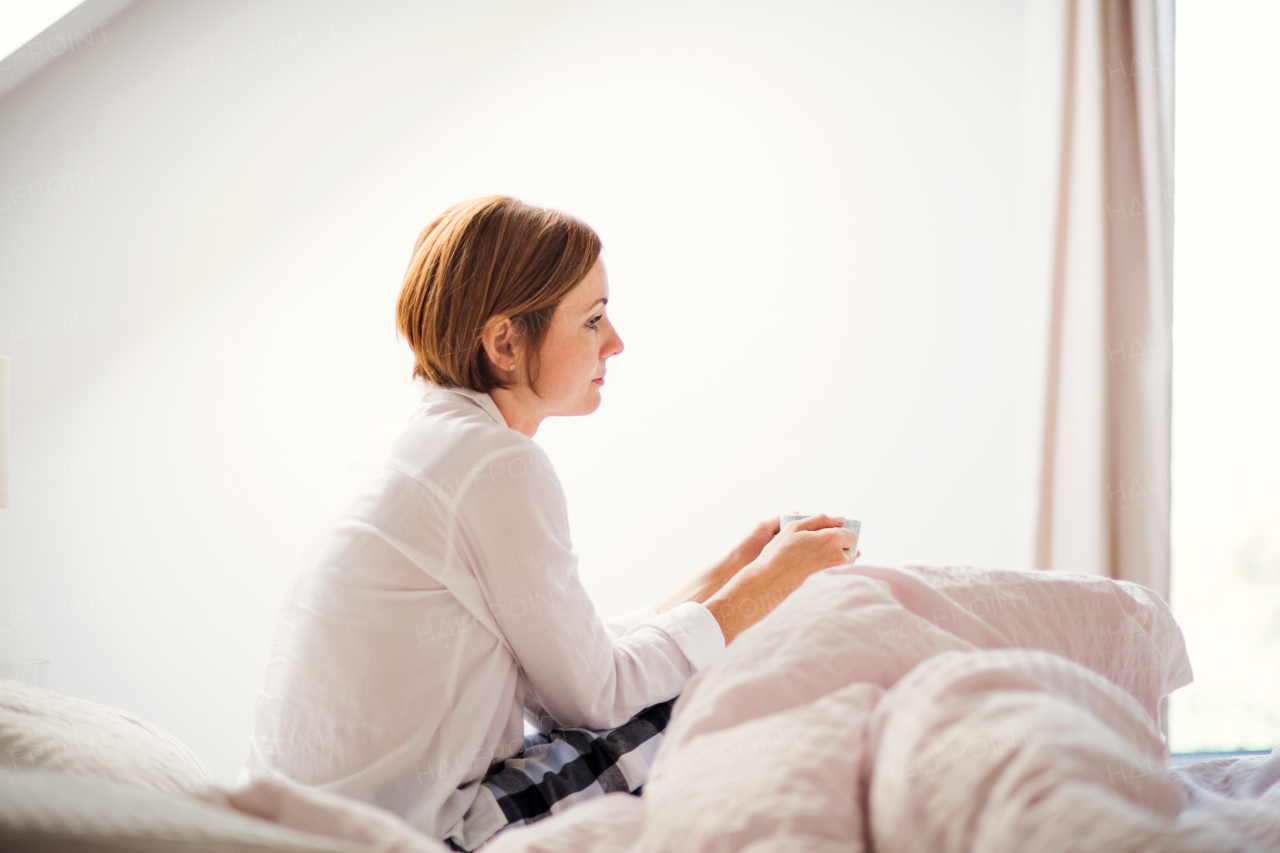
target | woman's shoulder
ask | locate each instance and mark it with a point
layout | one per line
(450, 437)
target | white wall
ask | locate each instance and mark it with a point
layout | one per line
(816, 233)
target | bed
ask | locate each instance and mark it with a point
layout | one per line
(894, 709)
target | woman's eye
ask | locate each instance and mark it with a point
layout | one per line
(591, 324)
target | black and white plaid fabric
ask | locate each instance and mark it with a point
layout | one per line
(555, 771)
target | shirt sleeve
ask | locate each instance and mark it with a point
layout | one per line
(694, 630)
(619, 626)
(513, 531)
(690, 625)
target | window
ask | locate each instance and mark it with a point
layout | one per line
(1226, 377)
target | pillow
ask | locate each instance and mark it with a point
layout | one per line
(40, 729)
(314, 810)
(156, 794)
(47, 812)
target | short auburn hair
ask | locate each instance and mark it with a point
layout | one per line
(488, 257)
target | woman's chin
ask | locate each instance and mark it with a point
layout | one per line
(591, 401)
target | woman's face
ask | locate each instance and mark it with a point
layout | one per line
(573, 356)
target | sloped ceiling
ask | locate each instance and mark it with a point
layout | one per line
(84, 24)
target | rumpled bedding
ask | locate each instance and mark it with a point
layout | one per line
(934, 709)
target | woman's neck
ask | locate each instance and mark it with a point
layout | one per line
(516, 411)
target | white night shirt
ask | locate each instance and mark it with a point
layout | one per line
(440, 610)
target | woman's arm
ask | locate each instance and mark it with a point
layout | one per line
(511, 531)
(738, 600)
(800, 549)
(712, 579)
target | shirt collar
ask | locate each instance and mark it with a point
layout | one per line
(481, 399)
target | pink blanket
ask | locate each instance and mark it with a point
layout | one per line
(933, 709)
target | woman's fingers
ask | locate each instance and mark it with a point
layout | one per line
(838, 542)
(818, 522)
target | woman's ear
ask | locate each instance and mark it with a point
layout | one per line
(499, 340)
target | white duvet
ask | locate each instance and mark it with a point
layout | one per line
(929, 709)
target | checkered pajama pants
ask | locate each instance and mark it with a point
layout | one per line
(555, 771)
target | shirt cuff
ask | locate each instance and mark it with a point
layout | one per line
(622, 625)
(695, 631)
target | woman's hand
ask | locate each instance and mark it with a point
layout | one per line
(748, 549)
(710, 580)
(797, 551)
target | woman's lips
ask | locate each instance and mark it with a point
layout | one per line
(598, 380)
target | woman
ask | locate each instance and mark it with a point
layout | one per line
(443, 608)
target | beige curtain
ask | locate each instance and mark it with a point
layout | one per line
(1104, 467)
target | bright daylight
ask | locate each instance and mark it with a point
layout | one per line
(1226, 380)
